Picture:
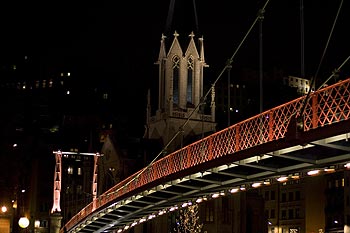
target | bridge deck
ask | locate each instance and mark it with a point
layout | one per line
(279, 142)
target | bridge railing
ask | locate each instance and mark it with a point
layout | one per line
(323, 107)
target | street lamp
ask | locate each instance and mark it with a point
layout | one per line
(3, 209)
(23, 222)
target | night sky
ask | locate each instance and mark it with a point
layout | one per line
(119, 41)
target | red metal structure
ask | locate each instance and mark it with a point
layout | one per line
(275, 135)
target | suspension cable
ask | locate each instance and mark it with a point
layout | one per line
(329, 38)
(195, 15)
(227, 65)
(313, 80)
(169, 19)
(334, 72)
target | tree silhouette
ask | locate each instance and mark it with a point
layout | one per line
(188, 220)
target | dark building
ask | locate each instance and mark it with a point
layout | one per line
(46, 111)
(337, 195)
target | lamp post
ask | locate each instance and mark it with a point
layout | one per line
(10, 219)
(23, 221)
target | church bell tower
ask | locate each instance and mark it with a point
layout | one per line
(181, 108)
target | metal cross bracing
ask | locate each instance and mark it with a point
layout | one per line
(278, 142)
(58, 177)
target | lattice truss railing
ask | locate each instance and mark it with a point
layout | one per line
(323, 107)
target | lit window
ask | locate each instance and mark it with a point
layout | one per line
(190, 71)
(79, 171)
(105, 96)
(176, 74)
(37, 223)
(70, 170)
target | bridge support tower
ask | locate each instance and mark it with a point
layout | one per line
(55, 222)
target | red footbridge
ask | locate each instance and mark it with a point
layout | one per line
(308, 133)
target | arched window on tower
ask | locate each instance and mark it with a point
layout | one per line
(176, 73)
(190, 70)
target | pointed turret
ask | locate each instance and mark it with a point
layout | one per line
(162, 52)
(191, 49)
(180, 90)
(201, 45)
(175, 47)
